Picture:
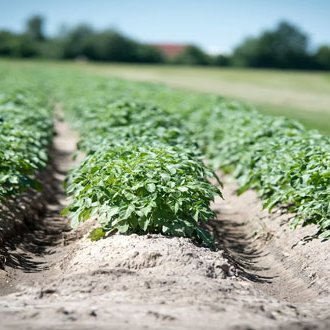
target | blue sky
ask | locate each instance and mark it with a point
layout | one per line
(215, 25)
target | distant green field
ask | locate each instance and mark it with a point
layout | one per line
(301, 95)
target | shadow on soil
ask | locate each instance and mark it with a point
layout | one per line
(239, 248)
(38, 225)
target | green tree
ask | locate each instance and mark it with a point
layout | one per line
(78, 42)
(34, 28)
(148, 54)
(221, 60)
(17, 45)
(284, 47)
(8, 43)
(193, 55)
(322, 57)
(107, 45)
(110, 45)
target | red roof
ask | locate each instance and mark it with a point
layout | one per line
(170, 50)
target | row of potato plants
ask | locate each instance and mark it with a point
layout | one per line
(286, 164)
(139, 156)
(26, 130)
(143, 173)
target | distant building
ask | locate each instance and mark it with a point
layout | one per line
(170, 50)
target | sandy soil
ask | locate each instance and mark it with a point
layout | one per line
(262, 276)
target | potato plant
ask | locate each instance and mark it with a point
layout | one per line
(143, 189)
(125, 120)
(287, 164)
(143, 172)
(25, 135)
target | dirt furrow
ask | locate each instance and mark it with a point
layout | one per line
(288, 264)
(35, 248)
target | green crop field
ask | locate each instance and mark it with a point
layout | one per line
(300, 95)
(145, 144)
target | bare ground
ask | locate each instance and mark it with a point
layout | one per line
(263, 275)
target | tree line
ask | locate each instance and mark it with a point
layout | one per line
(81, 41)
(283, 47)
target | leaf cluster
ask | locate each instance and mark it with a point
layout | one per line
(143, 172)
(143, 189)
(287, 164)
(25, 134)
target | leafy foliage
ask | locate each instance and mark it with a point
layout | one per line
(125, 121)
(152, 189)
(25, 134)
(143, 172)
(288, 165)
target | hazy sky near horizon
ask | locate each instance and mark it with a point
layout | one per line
(215, 25)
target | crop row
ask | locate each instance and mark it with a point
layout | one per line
(139, 155)
(286, 164)
(26, 130)
(143, 173)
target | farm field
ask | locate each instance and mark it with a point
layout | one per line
(299, 95)
(295, 94)
(181, 203)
